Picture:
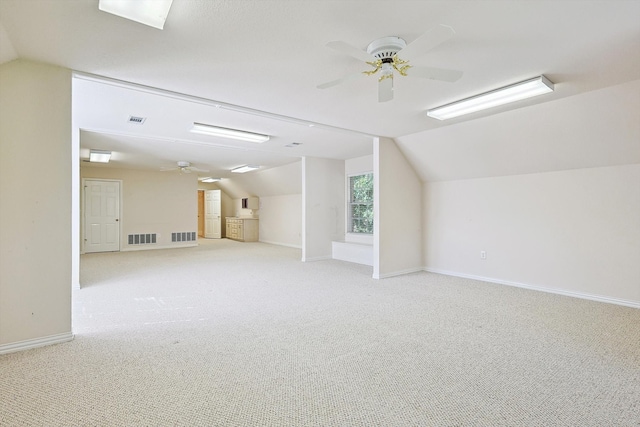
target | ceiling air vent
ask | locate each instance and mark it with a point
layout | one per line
(137, 120)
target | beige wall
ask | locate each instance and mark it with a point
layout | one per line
(323, 206)
(397, 245)
(153, 202)
(281, 220)
(576, 231)
(35, 203)
(359, 165)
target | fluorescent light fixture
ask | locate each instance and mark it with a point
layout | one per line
(246, 168)
(515, 92)
(99, 156)
(149, 12)
(209, 179)
(229, 133)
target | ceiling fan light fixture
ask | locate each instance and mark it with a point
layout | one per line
(240, 135)
(386, 47)
(245, 168)
(504, 95)
(148, 12)
(99, 156)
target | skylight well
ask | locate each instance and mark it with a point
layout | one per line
(148, 12)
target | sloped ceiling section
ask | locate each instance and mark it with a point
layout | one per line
(594, 129)
(279, 181)
(7, 52)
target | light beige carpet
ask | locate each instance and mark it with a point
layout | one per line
(244, 334)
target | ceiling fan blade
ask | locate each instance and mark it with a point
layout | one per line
(427, 41)
(353, 51)
(339, 81)
(385, 90)
(434, 73)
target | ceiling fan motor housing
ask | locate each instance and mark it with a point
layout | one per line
(385, 48)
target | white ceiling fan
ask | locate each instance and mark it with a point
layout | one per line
(391, 55)
(184, 167)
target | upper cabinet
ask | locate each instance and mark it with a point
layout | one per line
(250, 203)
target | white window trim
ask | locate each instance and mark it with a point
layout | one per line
(365, 238)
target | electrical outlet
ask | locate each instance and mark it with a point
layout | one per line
(483, 254)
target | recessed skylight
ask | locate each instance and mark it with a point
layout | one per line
(148, 12)
(99, 156)
(245, 168)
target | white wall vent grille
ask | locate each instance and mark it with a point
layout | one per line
(137, 120)
(183, 236)
(142, 239)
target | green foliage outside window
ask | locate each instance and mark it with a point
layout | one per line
(361, 204)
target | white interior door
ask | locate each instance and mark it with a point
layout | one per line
(212, 212)
(101, 216)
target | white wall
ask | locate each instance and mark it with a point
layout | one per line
(359, 165)
(397, 242)
(575, 232)
(281, 220)
(35, 205)
(323, 206)
(153, 202)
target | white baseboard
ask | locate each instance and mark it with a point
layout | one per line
(317, 258)
(133, 248)
(397, 273)
(582, 295)
(35, 343)
(281, 244)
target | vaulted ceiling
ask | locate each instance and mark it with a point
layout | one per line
(261, 61)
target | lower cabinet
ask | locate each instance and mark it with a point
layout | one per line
(242, 229)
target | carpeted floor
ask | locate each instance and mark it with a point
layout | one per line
(244, 334)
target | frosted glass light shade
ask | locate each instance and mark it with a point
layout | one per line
(99, 156)
(229, 133)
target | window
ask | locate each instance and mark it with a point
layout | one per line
(361, 204)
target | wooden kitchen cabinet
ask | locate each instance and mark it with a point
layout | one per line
(242, 229)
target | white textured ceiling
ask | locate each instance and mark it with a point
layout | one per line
(269, 56)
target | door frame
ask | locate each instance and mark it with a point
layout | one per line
(219, 192)
(201, 193)
(82, 210)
